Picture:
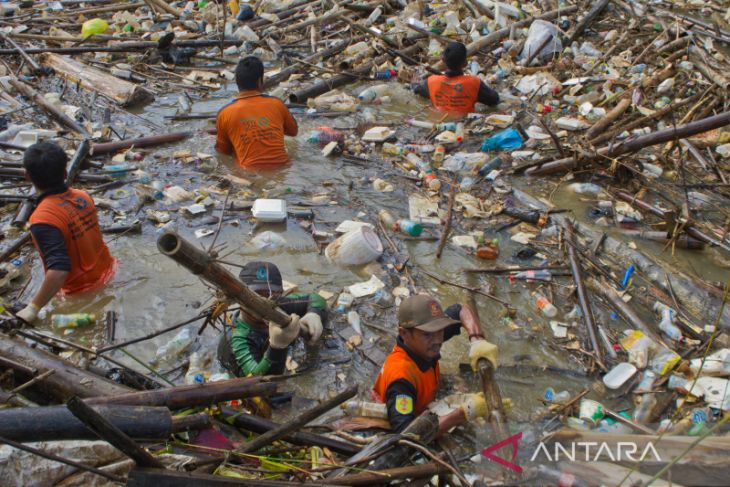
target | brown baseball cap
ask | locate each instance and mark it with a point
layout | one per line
(423, 312)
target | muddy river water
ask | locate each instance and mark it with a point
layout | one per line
(150, 291)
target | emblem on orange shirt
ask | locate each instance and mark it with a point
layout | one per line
(404, 404)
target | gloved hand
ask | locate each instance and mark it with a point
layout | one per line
(28, 314)
(311, 325)
(474, 406)
(281, 337)
(482, 349)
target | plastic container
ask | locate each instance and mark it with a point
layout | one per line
(532, 275)
(344, 301)
(358, 247)
(420, 124)
(266, 210)
(493, 174)
(409, 227)
(618, 375)
(715, 365)
(386, 74)
(366, 409)
(356, 48)
(552, 396)
(590, 411)
(547, 308)
(452, 126)
(664, 361)
(585, 188)
(72, 321)
(93, 27)
(374, 92)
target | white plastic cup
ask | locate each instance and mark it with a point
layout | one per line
(358, 247)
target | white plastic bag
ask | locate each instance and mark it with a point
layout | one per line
(536, 35)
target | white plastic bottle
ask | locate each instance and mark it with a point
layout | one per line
(195, 370)
(367, 409)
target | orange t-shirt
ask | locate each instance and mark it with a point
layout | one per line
(454, 94)
(398, 365)
(73, 213)
(253, 127)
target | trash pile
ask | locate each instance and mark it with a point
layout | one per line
(591, 202)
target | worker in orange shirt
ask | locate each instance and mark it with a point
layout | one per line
(65, 230)
(455, 92)
(253, 126)
(410, 376)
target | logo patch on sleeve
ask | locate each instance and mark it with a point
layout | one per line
(404, 404)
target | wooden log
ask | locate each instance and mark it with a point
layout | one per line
(108, 432)
(18, 173)
(608, 119)
(596, 9)
(424, 428)
(6, 363)
(67, 381)
(155, 477)
(30, 93)
(121, 47)
(17, 244)
(163, 5)
(197, 421)
(284, 74)
(201, 264)
(260, 425)
(56, 458)
(297, 422)
(675, 45)
(603, 288)
(447, 221)
(583, 300)
(99, 10)
(77, 161)
(122, 92)
(193, 395)
(324, 86)
(150, 141)
(52, 423)
(632, 145)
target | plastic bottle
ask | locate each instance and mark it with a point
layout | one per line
(418, 123)
(642, 413)
(355, 49)
(421, 148)
(491, 165)
(715, 365)
(552, 396)
(344, 301)
(547, 308)
(488, 252)
(667, 323)
(417, 162)
(365, 408)
(393, 149)
(647, 381)
(373, 92)
(439, 153)
(585, 188)
(386, 74)
(493, 174)
(638, 346)
(387, 219)
(176, 346)
(431, 182)
(195, 374)
(446, 126)
(374, 16)
(72, 321)
(532, 275)
(459, 132)
(409, 227)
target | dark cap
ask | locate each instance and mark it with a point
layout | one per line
(261, 276)
(423, 312)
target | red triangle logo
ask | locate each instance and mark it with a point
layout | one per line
(512, 440)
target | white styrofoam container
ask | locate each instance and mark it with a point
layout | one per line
(269, 210)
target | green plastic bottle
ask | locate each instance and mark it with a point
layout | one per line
(72, 321)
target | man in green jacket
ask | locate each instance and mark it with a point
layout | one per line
(256, 347)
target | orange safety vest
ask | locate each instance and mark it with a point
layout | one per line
(399, 365)
(74, 214)
(455, 94)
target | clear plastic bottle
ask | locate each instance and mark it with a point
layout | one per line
(491, 165)
(642, 413)
(459, 132)
(552, 396)
(374, 92)
(374, 15)
(176, 346)
(409, 227)
(420, 124)
(393, 149)
(72, 321)
(532, 275)
(544, 305)
(417, 162)
(195, 374)
(667, 323)
(366, 409)
(447, 126)
(387, 219)
(344, 301)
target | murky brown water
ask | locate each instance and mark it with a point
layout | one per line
(151, 291)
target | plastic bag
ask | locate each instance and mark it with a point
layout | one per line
(509, 139)
(93, 27)
(539, 30)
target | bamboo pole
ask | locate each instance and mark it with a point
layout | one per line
(202, 264)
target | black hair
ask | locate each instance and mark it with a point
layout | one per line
(248, 73)
(455, 55)
(45, 163)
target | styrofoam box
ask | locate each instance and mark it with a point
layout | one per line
(269, 210)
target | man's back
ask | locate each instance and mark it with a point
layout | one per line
(253, 127)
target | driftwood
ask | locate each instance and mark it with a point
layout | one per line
(284, 74)
(447, 222)
(121, 47)
(155, 477)
(632, 145)
(152, 140)
(32, 95)
(57, 423)
(201, 264)
(67, 381)
(583, 299)
(296, 423)
(193, 395)
(121, 91)
(608, 119)
(260, 425)
(682, 241)
(596, 9)
(107, 431)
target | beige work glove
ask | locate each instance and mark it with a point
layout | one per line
(311, 326)
(281, 337)
(479, 349)
(474, 406)
(28, 314)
